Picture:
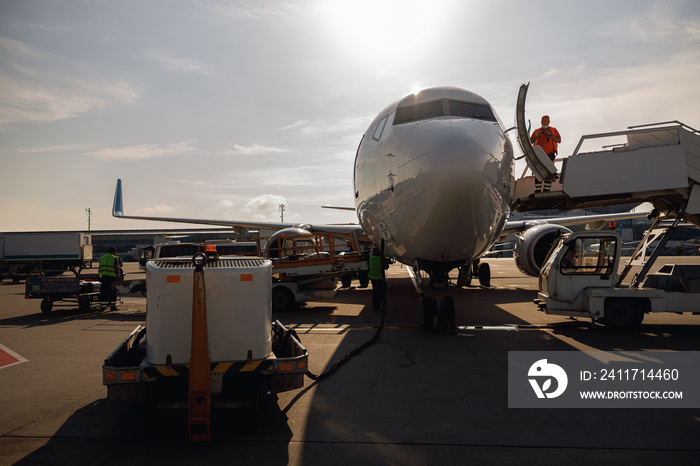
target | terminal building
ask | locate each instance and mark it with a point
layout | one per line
(129, 242)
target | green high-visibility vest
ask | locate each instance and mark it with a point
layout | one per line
(375, 268)
(107, 266)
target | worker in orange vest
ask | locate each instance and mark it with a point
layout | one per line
(548, 138)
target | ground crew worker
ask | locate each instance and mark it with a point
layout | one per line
(548, 138)
(376, 275)
(110, 271)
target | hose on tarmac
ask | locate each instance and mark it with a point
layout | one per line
(332, 369)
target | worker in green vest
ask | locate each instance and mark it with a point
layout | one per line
(110, 271)
(376, 275)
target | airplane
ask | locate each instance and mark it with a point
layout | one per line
(433, 187)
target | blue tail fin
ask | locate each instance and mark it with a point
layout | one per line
(118, 207)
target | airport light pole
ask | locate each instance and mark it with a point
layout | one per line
(88, 212)
(281, 208)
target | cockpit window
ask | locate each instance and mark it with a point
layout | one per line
(435, 109)
(380, 129)
(471, 110)
(419, 112)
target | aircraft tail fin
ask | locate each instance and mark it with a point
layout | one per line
(118, 206)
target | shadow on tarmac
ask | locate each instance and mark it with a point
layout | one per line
(425, 398)
(69, 314)
(107, 432)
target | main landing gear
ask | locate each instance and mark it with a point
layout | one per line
(476, 269)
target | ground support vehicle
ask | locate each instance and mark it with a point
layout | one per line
(209, 341)
(49, 253)
(305, 266)
(81, 290)
(579, 278)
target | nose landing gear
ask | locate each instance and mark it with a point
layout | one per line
(439, 314)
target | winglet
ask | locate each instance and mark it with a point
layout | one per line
(118, 207)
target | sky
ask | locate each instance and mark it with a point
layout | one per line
(226, 109)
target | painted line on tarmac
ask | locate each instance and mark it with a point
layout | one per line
(517, 327)
(9, 358)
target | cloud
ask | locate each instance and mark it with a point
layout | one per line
(253, 149)
(155, 211)
(270, 12)
(54, 149)
(61, 90)
(264, 204)
(145, 151)
(662, 22)
(181, 65)
(347, 125)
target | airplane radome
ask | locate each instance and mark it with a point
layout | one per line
(433, 179)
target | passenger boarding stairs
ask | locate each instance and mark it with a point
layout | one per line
(657, 163)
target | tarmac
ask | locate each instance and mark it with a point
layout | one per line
(412, 398)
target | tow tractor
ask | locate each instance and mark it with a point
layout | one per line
(208, 342)
(579, 278)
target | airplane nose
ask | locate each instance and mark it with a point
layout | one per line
(451, 181)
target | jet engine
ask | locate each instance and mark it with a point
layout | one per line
(533, 245)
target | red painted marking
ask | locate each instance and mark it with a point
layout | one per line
(9, 357)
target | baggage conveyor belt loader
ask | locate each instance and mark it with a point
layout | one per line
(208, 341)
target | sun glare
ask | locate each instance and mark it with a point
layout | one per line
(372, 29)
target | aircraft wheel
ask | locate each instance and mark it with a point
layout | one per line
(485, 275)
(282, 299)
(620, 314)
(46, 305)
(428, 311)
(448, 315)
(465, 276)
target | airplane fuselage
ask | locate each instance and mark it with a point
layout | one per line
(433, 178)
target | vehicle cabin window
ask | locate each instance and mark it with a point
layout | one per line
(236, 250)
(179, 250)
(419, 112)
(380, 129)
(471, 110)
(298, 248)
(594, 256)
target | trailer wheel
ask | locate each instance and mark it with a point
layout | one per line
(364, 279)
(620, 314)
(46, 305)
(282, 299)
(84, 303)
(346, 280)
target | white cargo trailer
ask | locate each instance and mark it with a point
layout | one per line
(50, 253)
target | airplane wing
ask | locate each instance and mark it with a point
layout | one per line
(593, 222)
(239, 226)
(337, 208)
